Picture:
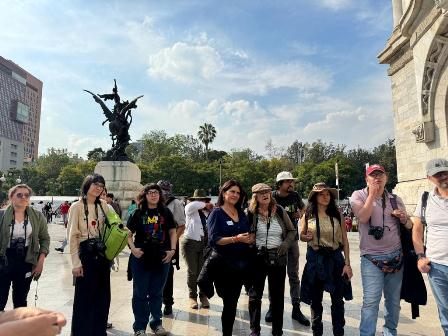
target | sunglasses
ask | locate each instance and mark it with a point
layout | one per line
(23, 195)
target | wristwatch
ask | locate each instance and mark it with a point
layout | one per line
(420, 255)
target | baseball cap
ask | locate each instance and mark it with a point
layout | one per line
(435, 166)
(373, 168)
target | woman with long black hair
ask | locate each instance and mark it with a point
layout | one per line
(230, 237)
(326, 268)
(152, 239)
(91, 269)
(24, 243)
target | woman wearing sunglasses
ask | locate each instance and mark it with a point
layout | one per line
(24, 243)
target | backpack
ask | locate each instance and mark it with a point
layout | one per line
(115, 236)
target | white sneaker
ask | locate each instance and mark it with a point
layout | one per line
(140, 333)
(160, 331)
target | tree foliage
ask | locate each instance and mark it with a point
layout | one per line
(183, 160)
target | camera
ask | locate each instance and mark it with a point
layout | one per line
(19, 245)
(96, 245)
(376, 231)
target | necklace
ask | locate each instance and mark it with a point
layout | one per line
(232, 212)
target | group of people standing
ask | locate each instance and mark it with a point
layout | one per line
(228, 247)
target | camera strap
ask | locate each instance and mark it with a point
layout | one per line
(383, 205)
(13, 222)
(86, 214)
(318, 229)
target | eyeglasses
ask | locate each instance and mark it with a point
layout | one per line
(377, 174)
(152, 192)
(23, 195)
(98, 185)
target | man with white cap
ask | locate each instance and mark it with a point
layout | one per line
(291, 201)
(431, 215)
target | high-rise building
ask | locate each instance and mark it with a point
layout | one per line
(20, 108)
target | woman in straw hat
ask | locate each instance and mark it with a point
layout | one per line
(326, 268)
(229, 236)
(274, 233)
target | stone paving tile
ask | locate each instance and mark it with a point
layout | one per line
(55, 291)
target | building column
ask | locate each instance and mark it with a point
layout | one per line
(397, 8)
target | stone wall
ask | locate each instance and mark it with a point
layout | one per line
(408, 52)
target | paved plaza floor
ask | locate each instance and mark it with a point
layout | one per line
(55, 291)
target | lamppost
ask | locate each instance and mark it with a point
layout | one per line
(220, 172)
(2, 180)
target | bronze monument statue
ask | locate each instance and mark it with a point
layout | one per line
(119, 121)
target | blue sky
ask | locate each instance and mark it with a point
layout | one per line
(257, 70)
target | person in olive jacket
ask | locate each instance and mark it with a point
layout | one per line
(24, 244)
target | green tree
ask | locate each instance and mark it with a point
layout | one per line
(96, 154)
(206, 134)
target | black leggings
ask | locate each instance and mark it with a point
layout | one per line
(228, 287)
(92, 296)
(18, 272)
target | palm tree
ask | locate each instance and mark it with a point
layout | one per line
(207, 134)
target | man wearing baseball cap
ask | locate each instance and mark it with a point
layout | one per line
(378, 213)
(431, 215)
(291, 201)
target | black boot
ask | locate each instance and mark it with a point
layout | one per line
(268, 317)
(298, 316)
(168, 310)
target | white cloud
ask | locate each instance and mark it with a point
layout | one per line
(185, 63)
(335, 4)
(204, 67)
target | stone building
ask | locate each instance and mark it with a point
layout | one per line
(20, 109)
(417, 53)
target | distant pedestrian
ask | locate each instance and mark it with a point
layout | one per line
(431, 218)
(64, 208)
(110, 199)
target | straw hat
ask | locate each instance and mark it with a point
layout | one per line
(321, 186)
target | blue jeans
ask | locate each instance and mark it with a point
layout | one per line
(374, 282)
(147, 294)
(438, 278)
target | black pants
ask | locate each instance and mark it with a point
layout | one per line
(337, 309)
(168, 299)
(92, 296)
(228, 287)
(276, 283)
(18, 272)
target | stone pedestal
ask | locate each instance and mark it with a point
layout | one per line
(122, 179)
